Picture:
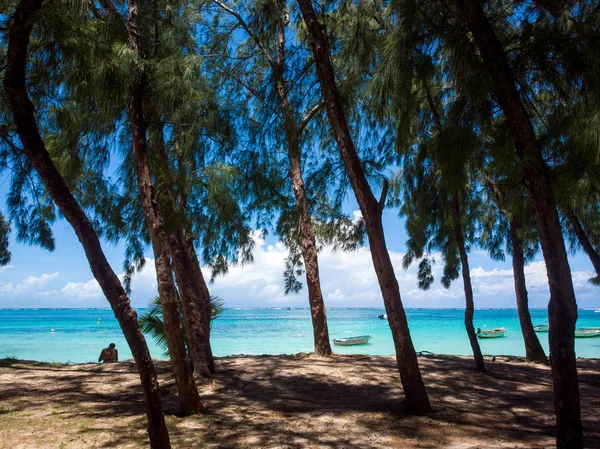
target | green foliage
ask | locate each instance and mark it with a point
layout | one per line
(151, 322)
(4, 233)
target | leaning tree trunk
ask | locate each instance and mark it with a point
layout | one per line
(408, 366)
(583, 239)
(466, 275)
(533, 349)
(38, 156)
(562, 309)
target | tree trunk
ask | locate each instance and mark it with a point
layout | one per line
(310, 256)
(466, 275)
(195, 301)
(195, 297)
(189, 243)
(188, 277)
(189, 399)
(37, 154)
(308, 244)
(408, 366)
(583, 239)
(533, 349)
(562, 309)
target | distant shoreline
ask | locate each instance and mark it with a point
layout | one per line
(294, 308)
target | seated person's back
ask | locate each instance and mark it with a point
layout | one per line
(109, 355)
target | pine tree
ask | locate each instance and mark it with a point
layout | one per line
(34, 148)
(371, 209)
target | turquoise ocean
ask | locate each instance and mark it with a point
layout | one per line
(75, 336)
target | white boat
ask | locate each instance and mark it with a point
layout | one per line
(589, 329)
(581, 333)
(383, 316)
(491, 333)
(350, 341)
(597, 310)
(541, 328)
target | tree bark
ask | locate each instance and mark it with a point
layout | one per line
(533, 349)
(309, 255)
(562, 309)
(308, 244)
(408, 366)
(466, 275)
(583, 239)
(187, 390)
(188, 277)
(195, 301)
(189, 243)
(189, 399)
(37, 154)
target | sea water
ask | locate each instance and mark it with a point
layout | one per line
(78, 335)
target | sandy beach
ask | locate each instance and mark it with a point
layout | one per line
(297, 401)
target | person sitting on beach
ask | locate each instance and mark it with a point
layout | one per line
(109, 355)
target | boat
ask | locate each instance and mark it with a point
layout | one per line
(589, 329)
(541, 328)
(350, 341)
(491, 333)
(581, 333)
(383, 316)
(597, 310)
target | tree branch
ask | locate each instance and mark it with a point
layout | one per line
(384, 192)
(310, 115)
(245, 26)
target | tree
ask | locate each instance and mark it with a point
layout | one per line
(286, 64)
(26, 14)
(371, 208)
(440, 200)
(562, 309)
(508, 222)
(165, 223)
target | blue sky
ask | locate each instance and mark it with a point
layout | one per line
(38, 278)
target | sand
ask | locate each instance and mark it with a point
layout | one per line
(296, 401)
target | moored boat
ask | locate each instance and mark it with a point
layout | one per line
(491, 333)
(383, 316)
(350, 341)
(541, 328)
(584, 333)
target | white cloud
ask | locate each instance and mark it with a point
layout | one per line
(144, 284)
(336, 295)
(6, 267)
(28, 285)
(82, 290)
(347, 280)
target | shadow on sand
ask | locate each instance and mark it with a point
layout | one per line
(303, 401)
